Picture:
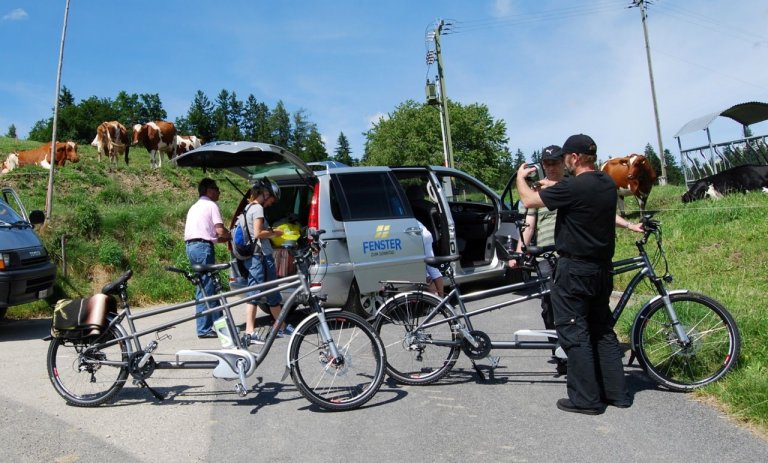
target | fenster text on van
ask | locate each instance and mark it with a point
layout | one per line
(382, 247)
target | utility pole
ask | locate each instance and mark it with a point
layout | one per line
(644, 16)
(443, 98)
(49, 196)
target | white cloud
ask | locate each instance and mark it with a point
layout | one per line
(374, 119)
(502, 7)
(16, 15)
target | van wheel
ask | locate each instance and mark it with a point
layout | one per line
(364, 305)
(2, 312)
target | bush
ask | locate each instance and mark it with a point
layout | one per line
(87, 220)
(111, 253)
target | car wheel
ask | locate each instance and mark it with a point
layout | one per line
(364, 305)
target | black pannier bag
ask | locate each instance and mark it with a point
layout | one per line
(82, 318)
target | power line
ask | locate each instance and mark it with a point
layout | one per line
(535, 17)
(697, 19)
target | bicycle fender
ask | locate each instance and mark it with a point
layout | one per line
(642, 311)
(123, 333)
(296, 330)
(399, 296)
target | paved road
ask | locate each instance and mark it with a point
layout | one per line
(510, 417)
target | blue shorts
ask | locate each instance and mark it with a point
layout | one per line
(262, 269)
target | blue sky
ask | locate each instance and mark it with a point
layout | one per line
(547, 68)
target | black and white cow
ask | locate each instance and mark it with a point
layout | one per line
(739, 178)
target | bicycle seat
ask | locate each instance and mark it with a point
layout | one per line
(204, 268)
(539, 250)
(112, 288)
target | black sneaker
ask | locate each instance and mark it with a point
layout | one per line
(207, 335)
(567, 406)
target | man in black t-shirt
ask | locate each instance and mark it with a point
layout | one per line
(585, 239)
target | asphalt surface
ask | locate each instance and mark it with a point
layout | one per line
(509, 417)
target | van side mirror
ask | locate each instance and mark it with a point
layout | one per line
(36, 217)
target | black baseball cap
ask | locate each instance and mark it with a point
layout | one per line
(551, 153)
(580, 144)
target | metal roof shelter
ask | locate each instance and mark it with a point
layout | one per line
(706, 160)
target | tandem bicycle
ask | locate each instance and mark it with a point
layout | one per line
(682, 339)
(334, 358)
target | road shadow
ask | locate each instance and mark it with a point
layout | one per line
(24, 330)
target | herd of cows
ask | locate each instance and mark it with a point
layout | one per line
(633, 174)
(112, 140)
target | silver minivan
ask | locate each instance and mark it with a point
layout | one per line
(370, 214)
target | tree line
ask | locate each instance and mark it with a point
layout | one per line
(410, 135)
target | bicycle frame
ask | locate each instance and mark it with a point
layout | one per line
(232, 363)
(455, 303)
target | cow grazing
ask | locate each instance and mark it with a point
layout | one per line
(186, 143)
(739, 178)
(112, 140)
(633, 175)
(11, 162)
(156, 136)
(65, 151)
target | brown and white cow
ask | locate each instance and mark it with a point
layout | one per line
(112, 140)
(186, 143)
(634, 175)
(41, 156)
(156, 136)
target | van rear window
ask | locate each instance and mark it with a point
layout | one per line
(370, 195)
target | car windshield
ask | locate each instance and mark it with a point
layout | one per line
(7, 215)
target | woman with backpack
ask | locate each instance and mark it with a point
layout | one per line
(261, 265)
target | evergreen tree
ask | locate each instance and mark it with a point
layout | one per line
(300, 132)
(256, 121)
(519, 159)
(315, 148)
(11, 131)
(65, 97)
(227, 116)
(199, 119)
(342, 152)
(280, 125)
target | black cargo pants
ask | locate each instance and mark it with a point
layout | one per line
(581, 301)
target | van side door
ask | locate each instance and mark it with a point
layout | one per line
(383, 237)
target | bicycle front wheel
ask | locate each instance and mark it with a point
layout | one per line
(340, 383)
(712, 351)
(83, 373)
(417, 355)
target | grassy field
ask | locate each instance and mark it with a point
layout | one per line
(113, 218)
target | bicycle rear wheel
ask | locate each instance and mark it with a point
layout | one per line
(412, 356)
(84, 374)
(337, 384)
(713, 350)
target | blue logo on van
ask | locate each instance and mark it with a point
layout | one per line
(382, 245)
